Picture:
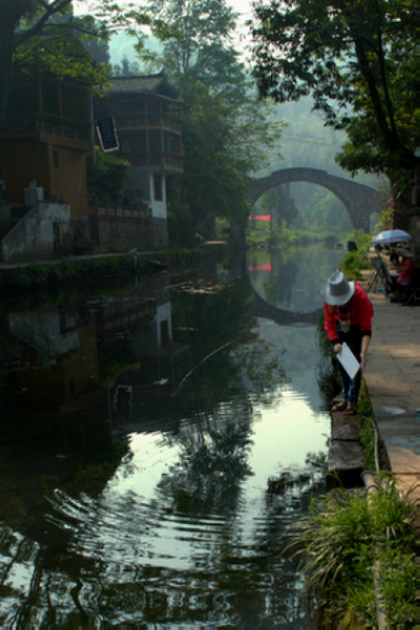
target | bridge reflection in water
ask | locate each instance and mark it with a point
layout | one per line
(288, 284)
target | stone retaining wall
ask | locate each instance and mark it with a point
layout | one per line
(121, 229)
(38, 233)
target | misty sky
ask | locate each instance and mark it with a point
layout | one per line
(121, 45)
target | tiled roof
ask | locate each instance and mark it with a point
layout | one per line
(148, 84)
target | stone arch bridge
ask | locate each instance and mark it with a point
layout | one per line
(360, 200)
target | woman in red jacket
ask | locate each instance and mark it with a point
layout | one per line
(348, 317)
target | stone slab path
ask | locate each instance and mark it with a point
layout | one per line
(392, 376)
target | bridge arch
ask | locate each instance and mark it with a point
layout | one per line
(360, 200)
(280, 316)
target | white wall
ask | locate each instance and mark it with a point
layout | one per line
(140, 179)
(158, 207)
(33, 237)
(138, 184)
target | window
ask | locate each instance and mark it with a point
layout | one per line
(158, 186)
(55, 158)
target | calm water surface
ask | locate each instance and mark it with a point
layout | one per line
(139, 429)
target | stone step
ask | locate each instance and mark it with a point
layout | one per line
(345, 463)
(345, 427)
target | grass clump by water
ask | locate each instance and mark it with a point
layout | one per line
(353, 262)
(263, 234)
(376, 456)
(339, 543)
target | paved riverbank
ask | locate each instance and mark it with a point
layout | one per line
(392, 377)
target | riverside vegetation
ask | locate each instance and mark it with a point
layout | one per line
(344, 537)
(91, 270)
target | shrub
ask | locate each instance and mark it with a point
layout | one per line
(339, 544)
(353, 263)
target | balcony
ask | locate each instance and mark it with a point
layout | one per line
(68, 132)
(52, 125)
(149, 122)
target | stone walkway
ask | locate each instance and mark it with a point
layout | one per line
(392, 376)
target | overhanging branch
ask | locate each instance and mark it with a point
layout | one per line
(50, 10)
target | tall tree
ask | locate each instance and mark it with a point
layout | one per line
(356, 58)
(226, 135)
(46, 36)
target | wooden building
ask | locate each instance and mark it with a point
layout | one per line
(48, 133)
(147, 116)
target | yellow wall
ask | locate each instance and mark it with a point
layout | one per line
(25, 159)
(22, 160)
(68, 179)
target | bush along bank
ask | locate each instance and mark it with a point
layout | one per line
(356, 553)
(91, 271)
(355, 261)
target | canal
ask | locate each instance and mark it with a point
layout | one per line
(157, 439)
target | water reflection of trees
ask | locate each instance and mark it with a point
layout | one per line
(212, 463)
(108, 567)
(279, 288)
(215, 437)
(296, 277)
(245, 364)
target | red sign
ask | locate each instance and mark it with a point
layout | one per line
(261, 217)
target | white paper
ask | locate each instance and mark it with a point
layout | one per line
(348, 361)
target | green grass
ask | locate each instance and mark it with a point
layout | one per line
(353, 262)
(262, 235)
(53, 276)
(339, 543)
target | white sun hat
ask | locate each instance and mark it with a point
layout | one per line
(338, 290)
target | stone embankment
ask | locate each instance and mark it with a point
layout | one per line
(89, 269)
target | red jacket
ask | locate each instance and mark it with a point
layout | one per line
(406, 271)
(360, 311)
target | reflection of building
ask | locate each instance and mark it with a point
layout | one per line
(54, 380)
(154, 363)
(143, 399)
(42, 161)
(165, 358)
(148, 121)
(71, 373)
(50, 333)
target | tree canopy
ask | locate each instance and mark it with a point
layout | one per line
(356, 59)
(226, 135)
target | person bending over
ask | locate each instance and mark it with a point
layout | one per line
(348, 318)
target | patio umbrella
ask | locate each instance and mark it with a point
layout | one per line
(391, 236)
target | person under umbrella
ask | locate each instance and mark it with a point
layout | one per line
(348, 318)
(405, 269)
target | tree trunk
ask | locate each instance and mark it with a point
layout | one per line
(8, 22)
(5, 89)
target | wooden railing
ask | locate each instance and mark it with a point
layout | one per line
(158, 158)
(64, 127)
(149, 122)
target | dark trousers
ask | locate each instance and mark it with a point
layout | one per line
(398, 286)
(351, 387)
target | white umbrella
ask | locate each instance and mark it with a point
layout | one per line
(391, 236)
